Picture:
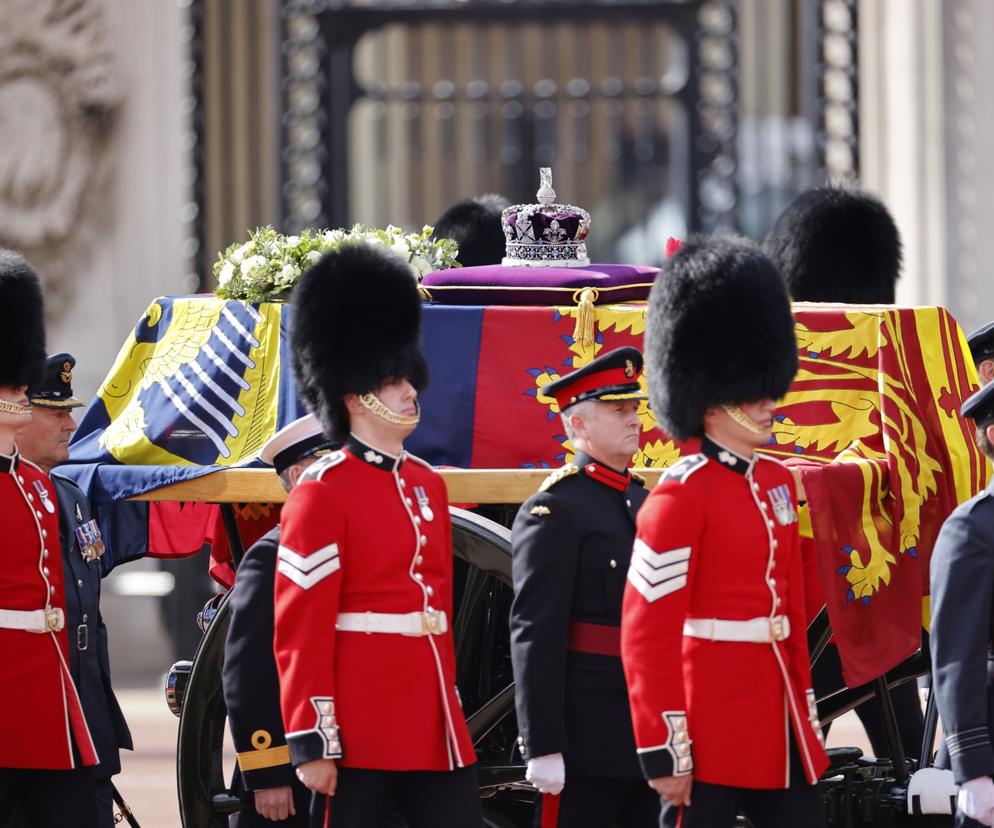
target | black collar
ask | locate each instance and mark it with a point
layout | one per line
(605, 475)
(10, 462)
(375, 457)
(725, 457)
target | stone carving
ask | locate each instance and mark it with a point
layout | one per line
(58, 100)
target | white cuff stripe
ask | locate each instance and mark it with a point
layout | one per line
(305, 563)
(309, 579)
(658, 559)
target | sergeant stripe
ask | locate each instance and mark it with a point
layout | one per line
(657, 574)
(307, 570)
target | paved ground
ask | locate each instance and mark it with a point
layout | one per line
(148, 779)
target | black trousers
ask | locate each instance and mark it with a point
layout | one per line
(716, 806)
(424, 799)
(47, 798)
(103, 791)
(596, 802)
(826, 677)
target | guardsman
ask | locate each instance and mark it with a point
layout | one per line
(572, 544)
(267, 785)
(840, 244)
(981, 343)
(45, 442)
(962, 575)
(46, 751)
(364, 569)
(713, 634)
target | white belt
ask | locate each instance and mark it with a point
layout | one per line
(433, 622)
(39, 621)
(755, 630)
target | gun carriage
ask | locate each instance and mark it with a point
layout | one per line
(872, 415)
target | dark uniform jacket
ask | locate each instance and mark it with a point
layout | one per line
(962, 574)
(572, 546)
(89, 661)
(251, 686)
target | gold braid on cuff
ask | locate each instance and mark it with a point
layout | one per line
(743, 419)
(14, 408)
(375, 404)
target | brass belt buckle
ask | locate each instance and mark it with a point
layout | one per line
(776, 628)
(54, 619)
(431, 622)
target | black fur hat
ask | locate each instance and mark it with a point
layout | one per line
(356, 324)
(835, 244)
(719, 331)
(22, 322)
(474, 224)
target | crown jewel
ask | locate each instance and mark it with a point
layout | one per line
(545, 234)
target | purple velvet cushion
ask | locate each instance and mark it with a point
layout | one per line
(498, 285)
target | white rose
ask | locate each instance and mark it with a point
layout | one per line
(333, 236)
(312, 257)
(293, 241)
(288, 274)
(242, 252)
(226, 275)
(252, 265)
(399, 246)
(420, 265)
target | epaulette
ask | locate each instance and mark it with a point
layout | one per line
(638, 478)
(416, 459)
(316, 471)
(559, 474)
(683, 468)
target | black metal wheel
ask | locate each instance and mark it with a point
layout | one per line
(482, 587)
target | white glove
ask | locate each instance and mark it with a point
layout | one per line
(976, 799)
(548, 773)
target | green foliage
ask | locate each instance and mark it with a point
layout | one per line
(268, 265)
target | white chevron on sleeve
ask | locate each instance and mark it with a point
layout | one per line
(656, 574)
(307, 570)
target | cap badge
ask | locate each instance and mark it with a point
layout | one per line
(46, 501)
(66, 375)
(783, 505)
(422, 496)
(629, 368)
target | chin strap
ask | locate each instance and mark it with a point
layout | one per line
(743, 419)
(376, 405)
(14, 408)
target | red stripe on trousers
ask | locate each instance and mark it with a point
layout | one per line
(550, 811)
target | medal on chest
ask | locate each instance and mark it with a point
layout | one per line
(783, 505)
(422, 496)
(46, 501)
(91, 544)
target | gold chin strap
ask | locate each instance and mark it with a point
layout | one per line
(375, 404)
(14, 408)
(743, 419)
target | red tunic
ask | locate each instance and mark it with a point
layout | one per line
(717, 538)
(367, 532)
(39, 705)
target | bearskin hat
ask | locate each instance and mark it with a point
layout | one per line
(835, 244)
(719, 331)
(357, 324)
(474, 224)
(22, 322)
